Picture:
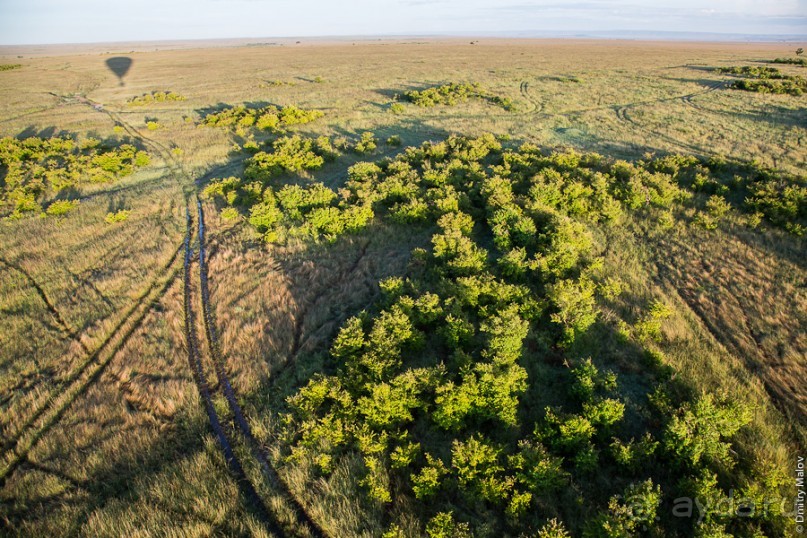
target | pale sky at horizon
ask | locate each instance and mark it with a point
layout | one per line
(83, 21)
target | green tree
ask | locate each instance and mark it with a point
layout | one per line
(699, 430)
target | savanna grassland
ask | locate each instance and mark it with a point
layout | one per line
(403, 288)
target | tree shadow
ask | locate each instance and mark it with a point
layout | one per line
(705, 82)
(777, 116)
(33, 131)
(205, 111)
(706, 68)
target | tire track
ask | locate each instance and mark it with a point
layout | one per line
(689, 98)
(194, 358)
(303, 517)
(524, 89)
(622, 115)
(195, 363)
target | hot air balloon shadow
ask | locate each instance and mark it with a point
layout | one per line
(120, 66)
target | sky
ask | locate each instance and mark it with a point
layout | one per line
(91, 21)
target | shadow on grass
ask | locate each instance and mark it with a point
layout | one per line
(123, 480)
(105, 141)
(778, 116)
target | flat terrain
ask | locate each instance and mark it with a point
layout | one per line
(120, 348)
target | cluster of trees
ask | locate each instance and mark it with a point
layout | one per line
(277, 213)
(35, 170)
(453, 93)
(792, 61)
(777, 197)
(753, 71)
(155, 97)
(440, 387)
(269, 118)
(795, 86)
(9, 67)
(766, 80)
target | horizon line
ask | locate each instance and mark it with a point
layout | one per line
(616, 35)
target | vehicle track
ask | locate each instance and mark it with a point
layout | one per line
(524, 88)
(689, 98)
(194, 358)
(195, 363)
(303, 517)
(622, 115)
(540, 114)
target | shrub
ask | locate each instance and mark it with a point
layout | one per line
(376, 480)
(604, 413)
(437, 360)
(553, 529)
(35, 168)
(575, 306)
(458, 253)
(264, 216)
(230, 213)
(535, 469)
(447, 94)
(649, 326)
(388, 405)
(394, 141)
(269, 118)
(635, 509)
(367, 143)
(427, 482)
(476, 463)
(397, 108)
(706, 221)
(155, 97)
(118, 216)
(698, 430)
(588, 380)
(793, 61)
(290, 154)
(717, 206)
(443, 525)
(60, 208)
(504, 332)
(404, 454)
(452, 93)
(633, 455)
